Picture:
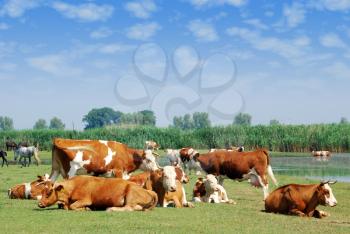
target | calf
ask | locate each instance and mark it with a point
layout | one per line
(187, 157)
(3, 155)
(301, 200)
(209, 190)
(86, 192)
(239, 166)
(29, 190)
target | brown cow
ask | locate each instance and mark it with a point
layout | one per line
(107, 158)
(151, 145)
(186, 156)
(239, 166)
(301, 200)
(166, 183)
(322, 154)
(28, 190)
(87, 192)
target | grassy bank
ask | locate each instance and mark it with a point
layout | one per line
(279, 138)
(22, 216)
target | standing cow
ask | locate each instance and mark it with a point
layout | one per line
(239, 166)
(187, 158)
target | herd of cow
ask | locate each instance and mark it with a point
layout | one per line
(85, 166)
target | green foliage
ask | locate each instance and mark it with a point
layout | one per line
(100, 117)
(344, 120)
(56, 123)
(40, 124)
(6, 123)
(282, 138)
(145, 117)
(274, 122)
(243, 119)
(196, 121)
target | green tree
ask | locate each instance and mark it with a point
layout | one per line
(56, 123)
(243, 119)
(40, 124)
(274, 122)
(100, 117)
(178, 122)
(148, 117)
(187, 121)
(344, 120)
(201, 120)
(6, 123)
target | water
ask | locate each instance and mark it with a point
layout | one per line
(337, 168)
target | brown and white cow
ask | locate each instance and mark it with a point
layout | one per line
(88, 192)
(186, 156)
(167, 183)
(208, 190)
(151, 145)
(301, 200)
(322, 154)
(107, 158)
(231, 148)
(239, 166)
(28, 190)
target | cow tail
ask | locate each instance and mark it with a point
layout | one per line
(269, 168)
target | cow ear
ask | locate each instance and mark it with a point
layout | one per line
(40, 177)
(59, 187)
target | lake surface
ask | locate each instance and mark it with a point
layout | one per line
(337, 168)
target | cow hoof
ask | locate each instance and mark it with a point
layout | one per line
(230, 201)
(189, 205)
(324, 214)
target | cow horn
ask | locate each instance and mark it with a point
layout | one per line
(332, 182)
(324, 182)
(154, 153)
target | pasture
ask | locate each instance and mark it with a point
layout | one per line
(24, 216)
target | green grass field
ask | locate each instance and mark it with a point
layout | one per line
(23, 216)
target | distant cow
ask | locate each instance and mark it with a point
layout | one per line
(231, 148)
(87, 192)
(301, 200)
(10, 145)
(25, 153)
(239, 166)
(208, 190)
(187, 158)
(29, 190)
(173, 156)
(151, 145)
(106, 158)
(324, 155)
(3, 156)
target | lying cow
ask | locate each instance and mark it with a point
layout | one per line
(186, 156)
(301, 200)
(231, 148)
(151, 145)
(106, 158)
(209, 190)
(239, 166)
(166, 183)
(28, 190)
(87, 192)
(173, 156)
(324, 155)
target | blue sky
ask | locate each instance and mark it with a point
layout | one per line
(285, 60)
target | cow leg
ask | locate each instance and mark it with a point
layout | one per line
(177, 202)
(297, 212)
(80, 205)
(125, 208)
(5, 160)
(319, 214)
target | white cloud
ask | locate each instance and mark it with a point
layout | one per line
(294, 14)
(209, 3)
(289, 49)
(102, 32)
(332, 40)
(203, 31)
(141, 9)
(87, 12)
(332, 5)
(3, 26)
(256, 23)
(16, 8)
(143, 31)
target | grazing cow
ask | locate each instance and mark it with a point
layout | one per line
(239, 166)
(27, 153)
(166, 183)
(231, 148)
(87, 192)
(151, 145)
(10, 145)
(301, 200)
(107, 158)
(29, 190)
(3, 155)
(173, 156)
(186, 155)
(209, 190)
(322, 154)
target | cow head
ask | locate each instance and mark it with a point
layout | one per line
(28, 190)
(325, 194)
(198, 189)
(211, 183)
(149, 162)
(49, 195)
(169, 178)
